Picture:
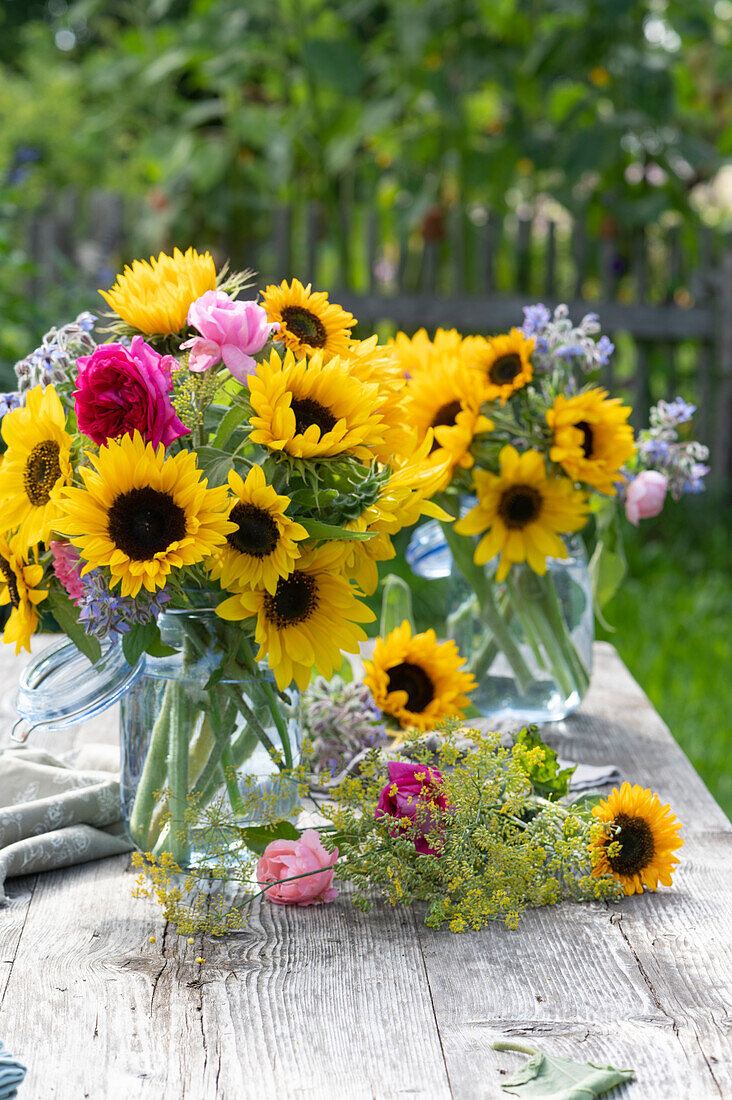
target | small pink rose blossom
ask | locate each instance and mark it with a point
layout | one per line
(645, 495)
(120, 390)
(230, 331)
(67, 566)
(410, 795)
(306, 857)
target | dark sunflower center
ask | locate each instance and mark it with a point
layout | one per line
(294, 601)
(309, 412)
(257, 533)
(519, 505)
(414, 680)
(11, 580)
(637, 847)
(144, 522)
(446, 415)
(42, 471)
(588, 439)
(505, 369)
(305, 325)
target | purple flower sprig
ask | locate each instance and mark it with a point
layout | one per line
(107, 616)
(54, 362)
(341, 720)
(560, 343)
(682, 462)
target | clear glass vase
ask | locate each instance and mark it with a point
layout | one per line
(205, 733)
(528, 639)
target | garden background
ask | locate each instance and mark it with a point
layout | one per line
(417, 156)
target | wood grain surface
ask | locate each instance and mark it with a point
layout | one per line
(328, 1002)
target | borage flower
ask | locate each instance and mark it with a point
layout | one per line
(35, 467)
(155, 297)
(522, 511)
(263, 545)
(311, 618)
(639, 842)
(142, 513)
(418, 680)
(18, 589)
(307, 321)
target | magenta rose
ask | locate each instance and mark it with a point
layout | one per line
(120, 390)
(645, 495)
(413, 793)
(230, 331)
(302, 870)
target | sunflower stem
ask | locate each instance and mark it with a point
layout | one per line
(178, 763)
(152, 779)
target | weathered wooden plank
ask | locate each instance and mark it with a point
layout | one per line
(645, 983)
(487, 314)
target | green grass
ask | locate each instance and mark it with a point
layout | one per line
(673, 629)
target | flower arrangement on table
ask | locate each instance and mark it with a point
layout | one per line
(536, 451)
(244, 461)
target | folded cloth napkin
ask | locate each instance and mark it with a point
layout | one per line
(588, 776)
(55, 812)
(12, 1073)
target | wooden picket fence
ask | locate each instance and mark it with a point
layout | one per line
(664, 295)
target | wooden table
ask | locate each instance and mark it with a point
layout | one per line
(328, 1002)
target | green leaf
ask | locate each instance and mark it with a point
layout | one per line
(586, 802)
(396, 604)
(215, 463)
(336, 62)
(607, 572)
(257, 837)
(144, 638)
(547, 780)
(66, 615)
(230, 420)
(319, 530)
(553, 1078)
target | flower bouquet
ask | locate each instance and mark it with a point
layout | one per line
(535, 453)
(198, 488)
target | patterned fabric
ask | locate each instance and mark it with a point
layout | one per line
(53, 814)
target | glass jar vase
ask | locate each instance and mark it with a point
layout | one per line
(527, 639)
(204, 735)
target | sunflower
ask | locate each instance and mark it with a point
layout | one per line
(263, 546)
(413, 354)
(154, 297)
(522, 511)
(447, 398)
(417, 679)
(312, 617)
(35, 467)
(18, 580)
(504, 360)
(592, 438)
(308, 321)
(313, 409)
(639, 842)
(142, 514)
(372, 364)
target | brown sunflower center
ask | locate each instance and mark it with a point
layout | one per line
(294, 601)
(11, 580)
(257, 533)
(505, 369)
(519, 505)
(307, 412)
(588, 438)
(636, 845)
(446, 415)
(414, 680)
(143, 522)
(305, 325)
(42, 471)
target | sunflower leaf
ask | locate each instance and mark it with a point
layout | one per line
(319, 530)
(67, 617)
(231, 420)
(257, 837)
(553, 1078)
(144, 638)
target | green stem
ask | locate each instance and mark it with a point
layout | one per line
(520, 1048)
(178, 762)
(153, 774)
(235, 798)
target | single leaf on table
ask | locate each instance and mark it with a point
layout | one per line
(257, 837)
(549, 1077)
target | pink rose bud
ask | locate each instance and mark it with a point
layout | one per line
(411, 795)
(645, 495)
(120, 390)
(284, 860)
(230, 331)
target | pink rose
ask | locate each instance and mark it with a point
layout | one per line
(232, 331)
(645, 495)
(306, 856)
(121, 389)
(413, 791)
